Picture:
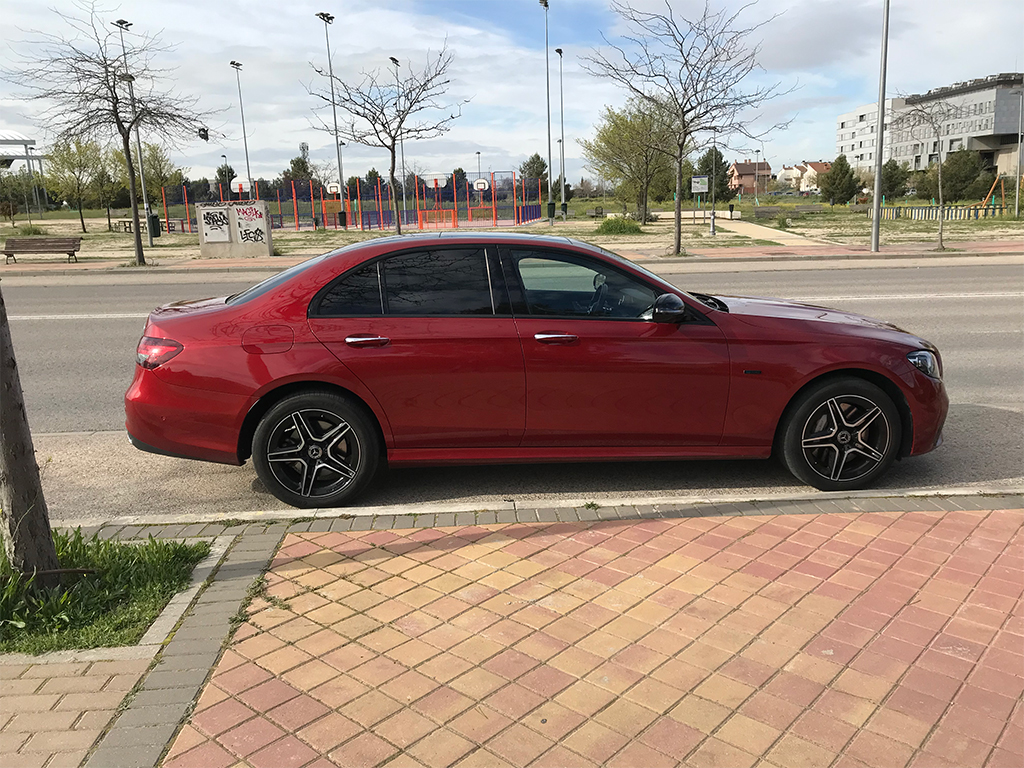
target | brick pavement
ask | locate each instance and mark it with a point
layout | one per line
(849, 637)
(50, 714)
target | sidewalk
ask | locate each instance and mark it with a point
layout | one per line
(859, 632)
(794, 248)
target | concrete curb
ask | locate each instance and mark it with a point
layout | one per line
(456, 508)
(642, 260)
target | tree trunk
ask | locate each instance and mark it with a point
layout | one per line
(109, 227)
(81, 213)
(394, 193)
(24, 521)
(140, 257)
(678, 241)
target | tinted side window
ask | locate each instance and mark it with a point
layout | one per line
(450, 282)
(584, 288)
(356, 294)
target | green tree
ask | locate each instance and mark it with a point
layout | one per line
(631, 146)
(959, 171)
(535, 167)
(225, 173)
(840, 183)
(371, 177)
(71, 169)
(894, 178)
(712, 164)
(299, 170)
(106, 187)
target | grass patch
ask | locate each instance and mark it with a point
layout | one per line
(618, 226)
(30, 229)
(112, 607)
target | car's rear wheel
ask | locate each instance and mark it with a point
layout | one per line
(316, 449)
(841, 435)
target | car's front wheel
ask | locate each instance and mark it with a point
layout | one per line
(316, 449)
(841, 435)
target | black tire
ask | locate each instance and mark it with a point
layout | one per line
(316, 449)
(841, 435)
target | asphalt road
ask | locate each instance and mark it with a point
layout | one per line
(75, 339)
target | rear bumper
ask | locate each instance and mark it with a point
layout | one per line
(183, 422)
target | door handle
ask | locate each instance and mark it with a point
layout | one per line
(367, 341)
(556, 338)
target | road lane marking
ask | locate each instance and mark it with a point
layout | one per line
(106, 316)
(884, 297)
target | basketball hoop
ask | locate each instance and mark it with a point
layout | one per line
(333, 189)
(481, 185)
(435, 179)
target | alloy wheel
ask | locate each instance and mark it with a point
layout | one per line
(845, 438)
(313, 453)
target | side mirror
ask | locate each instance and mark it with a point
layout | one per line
(669, 308)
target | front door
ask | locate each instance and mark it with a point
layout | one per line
(599, 372)
(421, 331)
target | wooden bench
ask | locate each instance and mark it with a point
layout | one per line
(766, 211)
(811, 208)
(68, 245)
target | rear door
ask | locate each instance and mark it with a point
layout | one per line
(429, 337)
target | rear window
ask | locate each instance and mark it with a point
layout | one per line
(273, 282)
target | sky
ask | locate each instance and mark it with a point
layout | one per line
(823, 53)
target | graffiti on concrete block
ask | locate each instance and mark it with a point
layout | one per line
(251, 235)
(216, 228)
(251, 223)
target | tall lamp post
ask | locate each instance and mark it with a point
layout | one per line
(401, 141)
(876, 201)
(1020, 125)
(123, 25)
(561, 141)
(757, 165)
(479, 175)
(328, 19)
(226, 179)
(237, 65)
(547, 80)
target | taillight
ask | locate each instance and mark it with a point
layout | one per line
(153, 352)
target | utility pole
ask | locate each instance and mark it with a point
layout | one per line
(876, 201)
(328, 19)
(122, 25)
(714, 167)
(547, 80)
(1020, 125)
(237, 65)
(561, 141)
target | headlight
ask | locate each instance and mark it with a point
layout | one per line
(926, 362)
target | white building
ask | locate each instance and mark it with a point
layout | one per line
(987, 117)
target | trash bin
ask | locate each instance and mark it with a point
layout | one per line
(154, 224)
(565, 210)
(343, 219)
(731, 206)
(551, 210)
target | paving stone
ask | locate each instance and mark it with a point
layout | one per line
(109, 531)
(465, 518)
(362, 523)
(161, 678)
(404, 521)
(504, 516)
(159, 714)
(587, 515)
(134, 756)
(626, 513)
(526, 515)
(341, 524)
(486, 518)
(383, 522)
(607, 513)
(132, 736)
(646, 511)
(321, 525)
(300, 527)
(154, 698)
(188, 661)
(547, 515)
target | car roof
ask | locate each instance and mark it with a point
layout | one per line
(383, 244)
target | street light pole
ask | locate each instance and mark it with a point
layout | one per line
(1020, 125)
(122, 25)
(401, 141)
(876, 201)
(226, 179)
(714, 167)
(479, 175)
(328, 19)
(237, 65)
(547, 80)
(561, 117)
(757, 164)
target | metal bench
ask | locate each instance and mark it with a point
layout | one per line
(23, 245)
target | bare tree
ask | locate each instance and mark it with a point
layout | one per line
(82, 76)
(385, 110)
(692, 70)
(24, 521)
(923, 119)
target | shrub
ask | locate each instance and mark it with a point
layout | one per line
(31, 229)
(619, 226)
(782, 222)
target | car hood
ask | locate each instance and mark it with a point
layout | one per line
(752, 307)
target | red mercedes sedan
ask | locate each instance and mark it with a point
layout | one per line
(472, 348)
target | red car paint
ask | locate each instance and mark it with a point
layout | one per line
(484, 389)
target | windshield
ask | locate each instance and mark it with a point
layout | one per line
(275, 280)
